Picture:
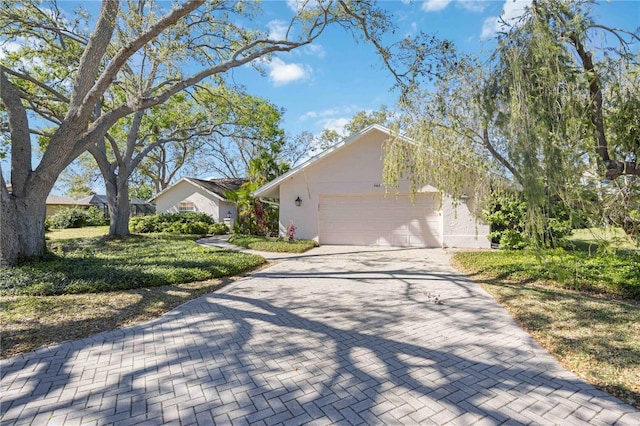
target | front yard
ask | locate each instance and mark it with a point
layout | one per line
(91, 284)
(583, 307)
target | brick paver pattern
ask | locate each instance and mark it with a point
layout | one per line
(355, 337)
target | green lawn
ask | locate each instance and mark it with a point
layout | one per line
(90, 283)
(594, 238)
(89, 265)
(72, 233)
(279, 245)
(583, 305)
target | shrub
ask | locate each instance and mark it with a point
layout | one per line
(71, 217)
(96, 217)
(507, 216)
(176, 223)
(511, 239)
(219, 228)
(74, 217)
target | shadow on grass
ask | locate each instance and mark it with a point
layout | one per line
(575, 326)
(50, 324)
(109, 264)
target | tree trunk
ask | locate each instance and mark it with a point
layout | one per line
(119, 207)
(22, 226)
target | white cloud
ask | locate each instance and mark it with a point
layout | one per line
(9, 47)
(298, 5)
(473, 5)
(315, 50)
(511, 13)
(329, 112)
(336, 124)
(277, 29)
(307, 115)
(282, 73)
(435, 5)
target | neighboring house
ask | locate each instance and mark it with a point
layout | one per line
(138, 206)
(199, 195)
(55, 203)
(337, 197)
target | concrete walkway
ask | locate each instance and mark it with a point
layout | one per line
(340, 335)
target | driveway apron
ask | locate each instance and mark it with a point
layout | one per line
(339, 335)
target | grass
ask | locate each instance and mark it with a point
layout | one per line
(279, 245)
(133, 279)
(598, 238)
(29, 322)
(73, 233)
(582, 307)
(101, 264)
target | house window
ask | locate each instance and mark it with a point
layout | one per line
(186, 206)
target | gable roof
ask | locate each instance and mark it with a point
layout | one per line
(269, 187)
(215, 187)
(58, 200)
(101, 200)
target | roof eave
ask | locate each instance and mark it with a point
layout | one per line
(274, 185)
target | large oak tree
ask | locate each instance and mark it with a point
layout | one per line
(211, 37)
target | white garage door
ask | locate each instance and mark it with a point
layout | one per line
(382, 221)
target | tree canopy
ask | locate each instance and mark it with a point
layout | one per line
(66, 65)
(552, 107)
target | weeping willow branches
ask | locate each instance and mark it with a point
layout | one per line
(536, 113)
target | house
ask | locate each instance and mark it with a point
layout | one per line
(138, 206)
(199, 195)
(55, 203)
(337, 197)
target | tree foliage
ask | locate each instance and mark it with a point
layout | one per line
(67, 65)
(554, 105)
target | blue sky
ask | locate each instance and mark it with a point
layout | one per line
(323, 86)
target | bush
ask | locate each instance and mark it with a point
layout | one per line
(176, 223)
(74, 217)
(219, 228)
(96, 217)
(511, 239)
(507, 217)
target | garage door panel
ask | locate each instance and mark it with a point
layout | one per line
(378, 220)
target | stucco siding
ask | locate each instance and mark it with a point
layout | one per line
(460, 228)
(169, 201)
(357, 168)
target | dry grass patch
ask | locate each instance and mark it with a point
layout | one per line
(597, 337)
(72, 233)
(29, 322)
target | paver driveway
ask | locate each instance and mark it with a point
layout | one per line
(340, 335)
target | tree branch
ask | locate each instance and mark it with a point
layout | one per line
(487, 144)
(20, 139)
(59, 96)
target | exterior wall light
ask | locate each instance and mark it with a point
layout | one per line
(298, 201)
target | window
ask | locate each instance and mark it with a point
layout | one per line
(186, 206)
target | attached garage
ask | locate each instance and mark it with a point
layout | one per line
(380, 220)
(338, 197)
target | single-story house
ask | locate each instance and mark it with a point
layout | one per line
(200, 195)
(55, 203)
(139, 207)
(337, 197)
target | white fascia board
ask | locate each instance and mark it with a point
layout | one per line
(192, 183)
